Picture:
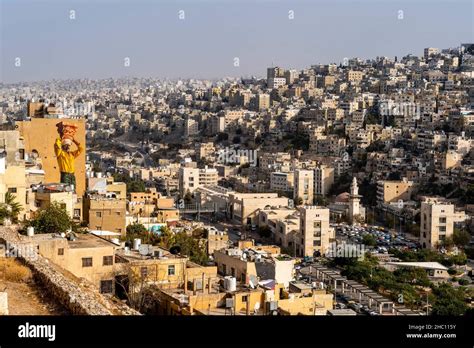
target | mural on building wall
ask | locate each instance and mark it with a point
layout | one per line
(66, 152)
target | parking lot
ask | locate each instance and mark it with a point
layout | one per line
(384, 238)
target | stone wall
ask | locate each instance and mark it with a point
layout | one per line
(76, 295)
(3, 303)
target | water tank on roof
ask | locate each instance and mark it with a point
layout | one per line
(30, 231)
(136, 243)
(230, 283)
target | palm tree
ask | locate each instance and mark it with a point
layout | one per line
(10, 208)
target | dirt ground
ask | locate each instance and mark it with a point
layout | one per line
(25, 297)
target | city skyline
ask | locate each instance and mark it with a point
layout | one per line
(259, 41)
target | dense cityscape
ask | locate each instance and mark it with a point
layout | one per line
(339, 189)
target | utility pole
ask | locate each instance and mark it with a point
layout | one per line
(427, 304)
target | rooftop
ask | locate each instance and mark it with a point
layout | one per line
(81, 241)
(154, 253)
(426, 265)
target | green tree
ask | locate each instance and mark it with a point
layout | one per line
(369, 240)
(53, 219)
(448, 301)
(10, 208)
(412, 275)
(190, 247)
(321, 200)
(133, 185)
(139, 231)
(136, 228)
(461, 238)
(188, 197)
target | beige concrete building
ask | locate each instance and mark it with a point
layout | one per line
(117, 188)
(323, 179)
(158, 266)
(248, 265)
(284, 224)
(451, 159)
(430, 51)
(315, 230)
(67, 200)
(281, 182)
(143, 203)
(437, 221)
(13, 176)
(389, 191)
(105, 213)
(261, 102)
(87, 256)
(355, 76)
(216, 240)
(192, 178)
(205, 150)
(244, 207)
(304, 186)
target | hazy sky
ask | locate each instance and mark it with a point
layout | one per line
(204, 44)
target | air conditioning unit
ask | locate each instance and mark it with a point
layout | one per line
(271, 306)
(229, 303)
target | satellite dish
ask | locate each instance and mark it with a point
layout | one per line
(175, 249)
(257, 306)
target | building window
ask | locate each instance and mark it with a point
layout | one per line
(316, 243)
(61, 251)
(108, 260)
(87, 262)
(442, 220)
(106, 286)
(117, 213)
(442, 228)
(245, 298)
(77, 213)
(143, 271)
(12, 189)
(98, 214)
(171, 270)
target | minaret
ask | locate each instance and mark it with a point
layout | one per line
(354, 201)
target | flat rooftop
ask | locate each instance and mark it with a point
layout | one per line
(425, 265)
(345, 311)
(81, 241)
(134, 255)
(89, 241)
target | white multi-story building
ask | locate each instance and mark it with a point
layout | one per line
(192, 178)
